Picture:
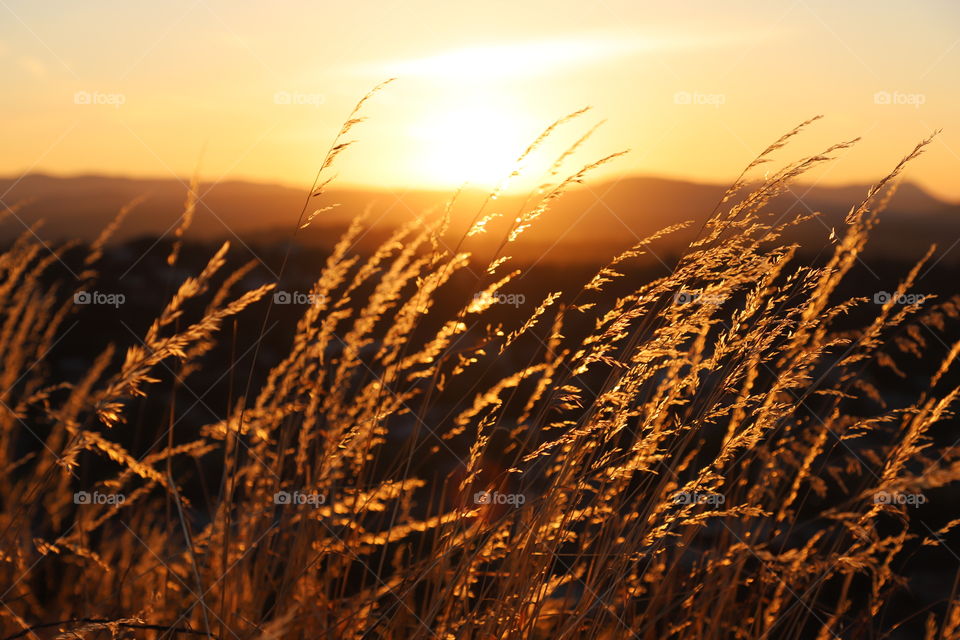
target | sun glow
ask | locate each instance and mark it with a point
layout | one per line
(512, 60)
(476, 143)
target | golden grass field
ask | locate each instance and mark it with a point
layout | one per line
(700, 457)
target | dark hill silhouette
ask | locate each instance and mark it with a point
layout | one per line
(589, 222)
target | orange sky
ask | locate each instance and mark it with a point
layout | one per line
(695, 90)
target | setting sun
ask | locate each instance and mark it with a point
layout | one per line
(471, 142)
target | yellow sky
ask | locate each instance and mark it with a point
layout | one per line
(695, 90)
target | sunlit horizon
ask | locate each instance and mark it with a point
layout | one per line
(210, 87)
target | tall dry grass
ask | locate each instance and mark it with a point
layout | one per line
(689, 460)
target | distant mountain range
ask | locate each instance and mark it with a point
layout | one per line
(601, 217)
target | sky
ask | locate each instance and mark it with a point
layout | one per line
(257, 91)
